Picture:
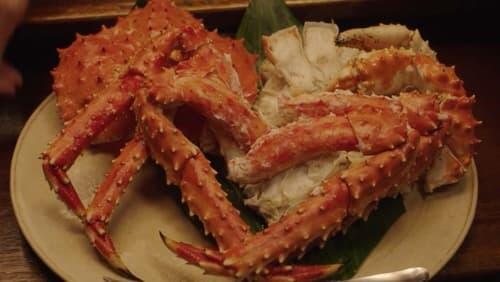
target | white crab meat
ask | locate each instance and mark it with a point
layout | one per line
(385, 36)
(285, 50)
(322, 51)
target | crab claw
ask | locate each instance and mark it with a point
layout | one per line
(213, 263)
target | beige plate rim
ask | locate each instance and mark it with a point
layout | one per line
(38, 250)
(53, 265)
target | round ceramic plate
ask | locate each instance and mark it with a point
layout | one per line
(427, 235)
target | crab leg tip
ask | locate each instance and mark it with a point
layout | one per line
(228, 262)
(116, 262)
(331, 269)
(171, 244)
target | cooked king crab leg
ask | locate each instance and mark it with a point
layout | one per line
(131, 158)
(77, 135)
(124, 167)
(212, 262)
(317, 218)
(186, 166)
(422, 110)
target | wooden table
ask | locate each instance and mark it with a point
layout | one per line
(469, 43)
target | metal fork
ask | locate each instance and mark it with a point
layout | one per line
(413, 274)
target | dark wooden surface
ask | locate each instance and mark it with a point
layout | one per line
(462, 38)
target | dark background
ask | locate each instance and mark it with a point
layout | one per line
(464, 33)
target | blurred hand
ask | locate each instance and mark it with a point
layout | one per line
(11, 13)
(10, 79)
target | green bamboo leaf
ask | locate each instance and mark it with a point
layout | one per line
(264, 17)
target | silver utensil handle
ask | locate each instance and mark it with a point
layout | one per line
(414, 274)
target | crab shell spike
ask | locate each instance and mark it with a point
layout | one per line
(245, 258)
(362, 192)
(462, 124)
(426, 150)
(422, 111)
